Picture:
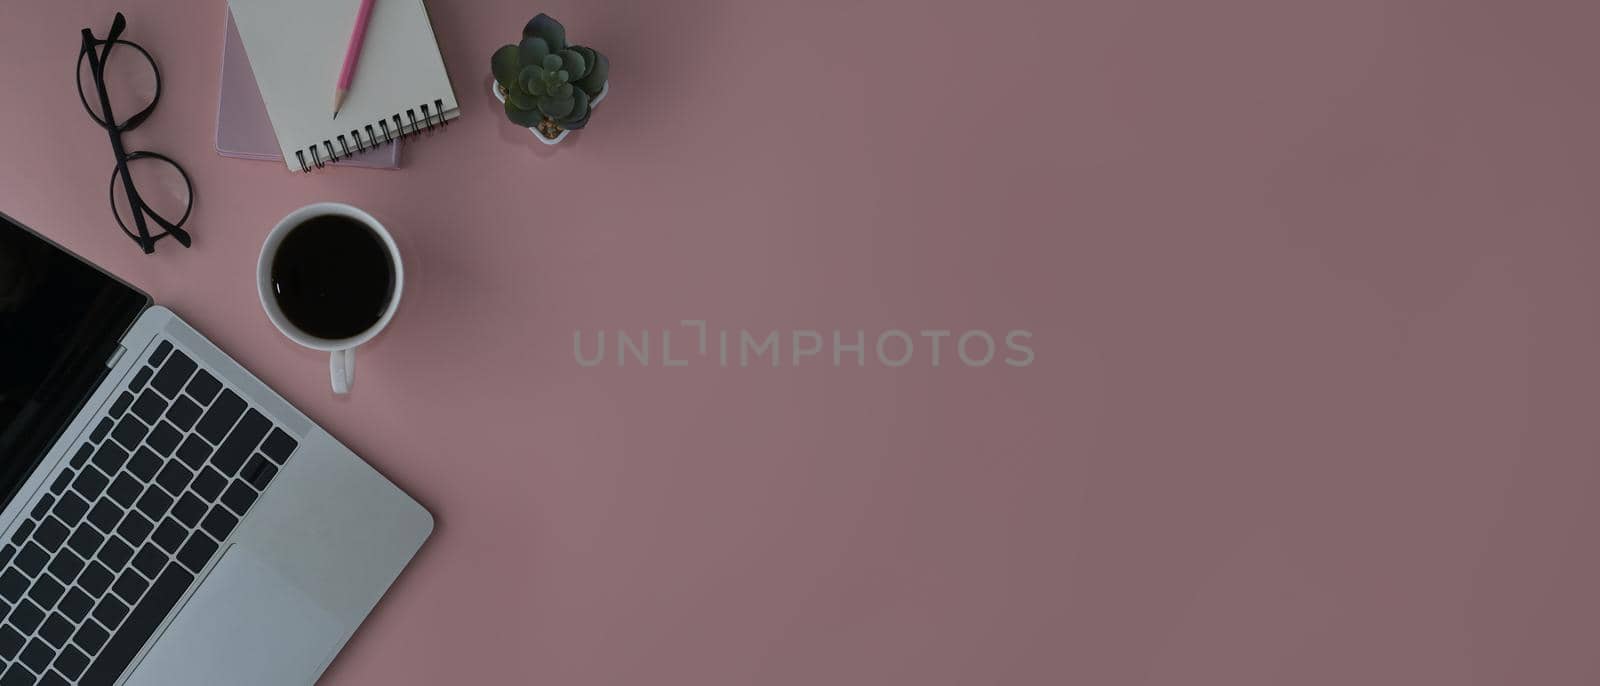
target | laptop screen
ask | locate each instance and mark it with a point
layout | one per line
(60, 319)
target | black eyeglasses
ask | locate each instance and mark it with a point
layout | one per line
(138, 83)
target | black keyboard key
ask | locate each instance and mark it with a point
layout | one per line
(11, 643)
(173, 374)
(71, 662)
(90, 484)
(17, 676)
(24, 530)
(95, 579)
(169, 535)
(241, 442)
(174, 477)
(194, 451)
(263, 479)
(129, 586)
(110, 457)
(101, 430)
(104, 515)
(85, 541)
(129, 432)
(61, 482)
(90, 637)
(125, 489)
(7, 552)
(37, 655)
(208, 484)
(81, 458)
(51, 533)
(149, 406)
(163, 438)
(13, 583)
(223, 413)
(46, 591)
(139, 379)
(144, 463)
(135, 528)
(279, 445)
(239, 497)
(76, 605)
(142, 624)
(219, 523)
(120, 405)
(56, 630)
(259, 472)
(197, 552)
(42, 507)
(183, 413)
(31, 558)
(189, 509)
(65, 566)
(154, 503)
(110, 611)
(203, 387)
(149, 560)
(26, 616)
(160, 353)
(115, 554)
(71, 508)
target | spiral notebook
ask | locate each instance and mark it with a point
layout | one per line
(296, 48)
(243, 129)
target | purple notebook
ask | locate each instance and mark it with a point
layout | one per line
(243, 129)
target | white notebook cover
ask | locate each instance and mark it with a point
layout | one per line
(296, 48)
(243, 129)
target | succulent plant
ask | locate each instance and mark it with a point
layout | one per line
(549, 84)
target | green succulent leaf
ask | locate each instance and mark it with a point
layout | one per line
(564, 90)
(522, 117)
(543, 26)
(572, 61)
(580, 108)
(588, 61)
(506, 65)
(533, 50)
(536, 88)
(528, 77)
(563, 76)
(556, 108)
(522, 99)
(596, 78)
(551, 62)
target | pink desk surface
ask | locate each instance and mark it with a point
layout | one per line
(1314, 290)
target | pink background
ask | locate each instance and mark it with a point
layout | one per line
(1313, 288)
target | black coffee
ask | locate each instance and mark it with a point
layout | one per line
(332, 277)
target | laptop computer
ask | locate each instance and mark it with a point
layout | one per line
(167, 518)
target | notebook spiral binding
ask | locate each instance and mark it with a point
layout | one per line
(314, 157)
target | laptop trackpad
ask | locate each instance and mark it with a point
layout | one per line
(245, 625)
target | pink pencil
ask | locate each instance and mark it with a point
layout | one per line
(357, 34)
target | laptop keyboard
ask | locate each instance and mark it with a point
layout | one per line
(122, 532)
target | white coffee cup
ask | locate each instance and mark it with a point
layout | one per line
(342, 352)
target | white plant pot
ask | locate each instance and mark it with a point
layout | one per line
(494, 87)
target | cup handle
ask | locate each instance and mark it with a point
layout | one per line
(342, 368)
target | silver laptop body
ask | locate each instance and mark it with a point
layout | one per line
(247, 545)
